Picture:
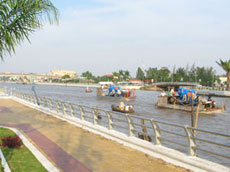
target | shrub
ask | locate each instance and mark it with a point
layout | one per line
(11, 142)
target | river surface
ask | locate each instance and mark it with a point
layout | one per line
(144, 105)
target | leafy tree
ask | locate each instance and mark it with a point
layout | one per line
(121, 75)
(140, 74)
(103, 78)
(192, 74)
(180, 75)
(87, 75)
(116, 76)
(152, 73)
(164, 74)
(20, 18)
(126, 75)
(226, 66)
(65, 77)
(206, 76)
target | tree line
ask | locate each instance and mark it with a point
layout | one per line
(204, 75)
(121, 75)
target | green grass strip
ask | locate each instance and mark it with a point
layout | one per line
(1, 167)
(20, 160)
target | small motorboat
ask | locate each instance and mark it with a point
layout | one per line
(126, 109)
(88, 90)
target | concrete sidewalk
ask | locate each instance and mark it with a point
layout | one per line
(73, 149)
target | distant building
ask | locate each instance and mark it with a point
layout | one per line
(105, 84)
(109, 75)
(60, 73)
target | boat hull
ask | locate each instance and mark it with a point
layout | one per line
(116, 108)
(101, 94)
(117, 98)
(162, 103)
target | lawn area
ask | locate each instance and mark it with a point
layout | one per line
(1, 167)
(19, 160)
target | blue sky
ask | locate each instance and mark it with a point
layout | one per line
(103, 36)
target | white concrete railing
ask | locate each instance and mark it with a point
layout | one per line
(206, 144)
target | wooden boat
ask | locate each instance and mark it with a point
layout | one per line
(170, 102)
(116, 108)
(88, 90)
(101, 94)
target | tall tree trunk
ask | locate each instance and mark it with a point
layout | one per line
(228, 80)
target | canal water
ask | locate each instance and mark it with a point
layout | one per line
(144, 105)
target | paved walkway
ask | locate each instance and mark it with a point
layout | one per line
(72, 149)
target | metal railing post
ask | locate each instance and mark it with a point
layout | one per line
(45, 102)
(11, 92)
(71, 109)
(34, 100)
(191, 141)
(157, 133)
(30, 99)
(130, 123)
(64, 108)
(110, 120)
(95, 118)
(82, 112)
(57, 106)
(51, 104)
(27, 98)
(40, 101)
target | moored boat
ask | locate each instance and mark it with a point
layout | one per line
(120, 94)
(126, 109)
(171, 102)
(88, 90)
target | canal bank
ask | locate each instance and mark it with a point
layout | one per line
(92, 151)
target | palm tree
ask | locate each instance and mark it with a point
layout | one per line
(126, 75)
(116, 76)
(121, 75)
(226, 66)
(20, 18)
